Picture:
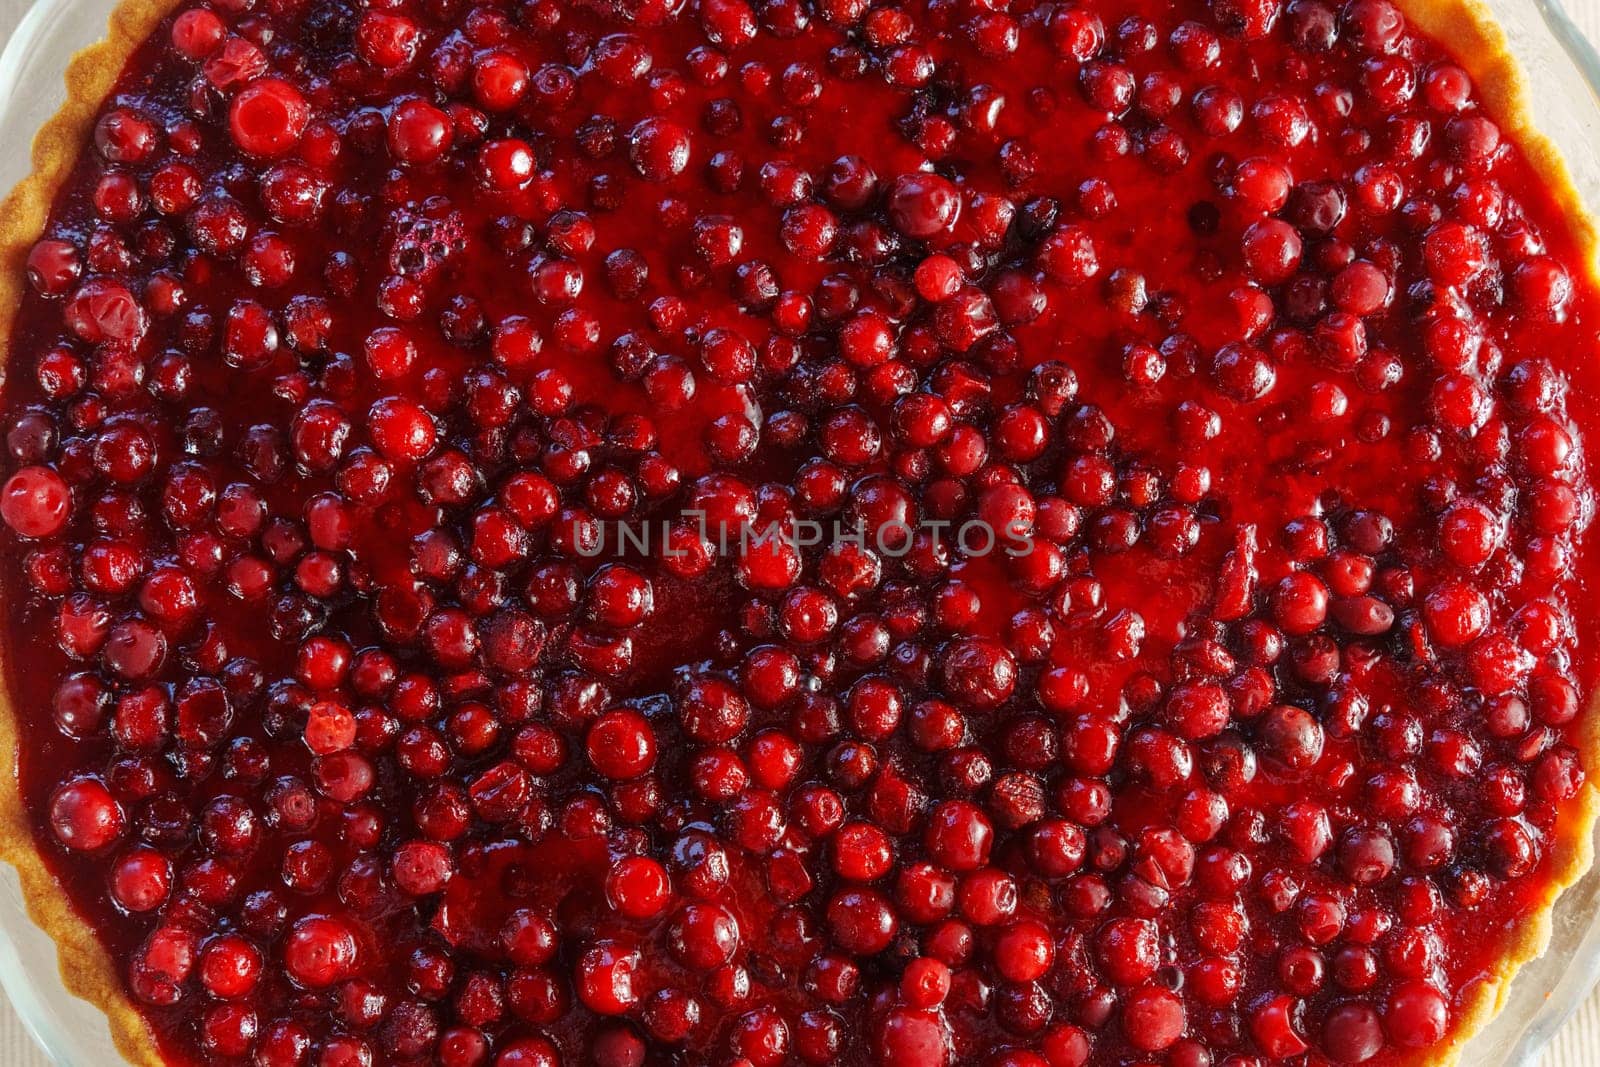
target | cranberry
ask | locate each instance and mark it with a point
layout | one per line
(659, 149)
(1353, 1033)
(1153, 1018)
(268, 117)
(319, 951)
(54, 266)
(621, 744)
(959, 836)
(35, 502)
(230, 967)
(1415, 1016)
(638, 887)
(980, 672)
(861, 921)
(418, 132)
(912, 1036)
(141, 879)
(197, 32)
(103, 310)
(605, 979)
(421, 868)
(923, 205)
(85, 816)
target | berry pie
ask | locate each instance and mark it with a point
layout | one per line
(1025, 533)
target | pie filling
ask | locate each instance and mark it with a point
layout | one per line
(961, 532)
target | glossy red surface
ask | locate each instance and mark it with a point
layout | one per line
(352, 323)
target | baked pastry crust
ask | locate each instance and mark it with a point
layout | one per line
(1465, 28)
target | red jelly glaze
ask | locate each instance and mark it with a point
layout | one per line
(350, 324)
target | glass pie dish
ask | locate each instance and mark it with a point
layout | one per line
(1564, 77)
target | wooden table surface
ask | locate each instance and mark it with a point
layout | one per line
(1577, 1046)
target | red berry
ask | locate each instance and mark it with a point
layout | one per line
(638, 887)
(621, 744)
(418, 132)
(319, 951)
(85, 816)
(35, 502)
(659, 149)
(923, 205)
(141, 879)
(268, 117)
(1153, 1018)
(606, 977)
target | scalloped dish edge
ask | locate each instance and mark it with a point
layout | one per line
(1467, 29)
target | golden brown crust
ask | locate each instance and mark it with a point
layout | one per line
(1466, 28)
(86, 969)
